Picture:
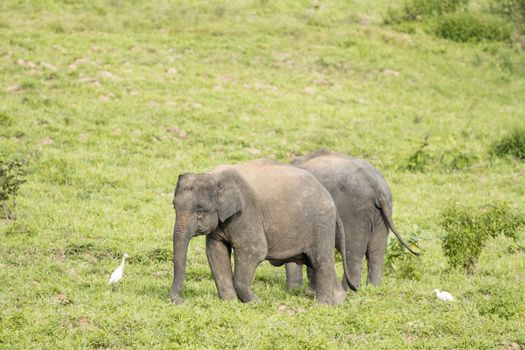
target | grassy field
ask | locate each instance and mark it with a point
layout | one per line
(110, 100)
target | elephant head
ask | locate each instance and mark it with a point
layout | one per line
(201, 202)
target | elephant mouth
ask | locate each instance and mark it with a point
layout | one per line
(201, 231)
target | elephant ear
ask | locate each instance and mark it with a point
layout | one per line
(230, 199)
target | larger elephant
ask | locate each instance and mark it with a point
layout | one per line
(262, 210)
(364, 202)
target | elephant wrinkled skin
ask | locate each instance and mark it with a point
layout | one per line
(262, 210)
(364, 202)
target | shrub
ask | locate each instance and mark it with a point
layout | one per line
(467, 230)
(453, 160)
(502, 301)
(414, 9)
(511, 145)
(510, 9)
(418, 161)
(5, 120)
(12, 173)
(463, 27)
(449, 160)
(417, 9)
(400, 263)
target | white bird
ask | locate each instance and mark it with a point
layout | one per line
(445, 296)
(119, 271)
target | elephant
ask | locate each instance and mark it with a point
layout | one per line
(262, 210)
(364, 202)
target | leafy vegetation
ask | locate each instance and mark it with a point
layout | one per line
(504, 303)
(12, 175)
(400, 263)
(419, 160)
(510, 9)
(413, 10)
(468, 229)
(512, 145)
(455, 20)
(109, 101)
(464, 27)
(448, 160)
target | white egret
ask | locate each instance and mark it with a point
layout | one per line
(445, 296)
(119, 271)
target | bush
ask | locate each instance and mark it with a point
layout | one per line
(418, 161)
(467, 231)
(510, 9)
(400, 263)
(454, 160)
(417, 9)
(450, 160)
(463, 27)
(414, 9)
(12, 173)
(5, 120)
(511, 145)
(502, 301)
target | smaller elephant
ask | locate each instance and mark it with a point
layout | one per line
(364, 202)
(262, 210)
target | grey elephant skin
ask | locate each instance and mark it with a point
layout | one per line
(262, 210)
(364, 202)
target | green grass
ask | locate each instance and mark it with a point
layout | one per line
(89, 89)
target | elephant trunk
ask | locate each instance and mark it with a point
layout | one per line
(182, 233)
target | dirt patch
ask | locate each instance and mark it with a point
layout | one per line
(283, 309)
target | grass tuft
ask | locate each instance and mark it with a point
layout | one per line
(511, 145)
(464, 27)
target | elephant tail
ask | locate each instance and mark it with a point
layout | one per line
(387, 218)
(340, 235)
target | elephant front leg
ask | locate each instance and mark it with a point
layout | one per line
(294, 275)
(219, 259)
(246, 263)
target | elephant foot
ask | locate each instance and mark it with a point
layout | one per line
(254, 300)
(251, 299)
(228, 296)
(176, 299)
(291, 285)
(323, 299)
(309, 292)
(339, 297)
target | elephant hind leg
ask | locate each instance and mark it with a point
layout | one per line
(375, 254)
(327, 289)
(356, 245)
(324, 280)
